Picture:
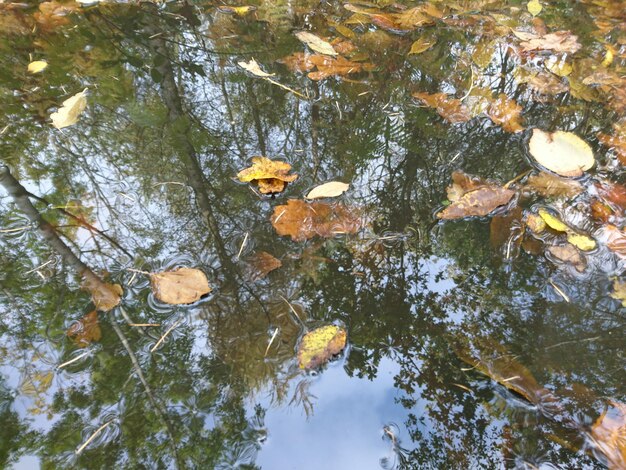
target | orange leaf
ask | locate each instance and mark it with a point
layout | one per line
(451, 109)
(506, 113)
(261, 264)
(609, 435)
(86, 330)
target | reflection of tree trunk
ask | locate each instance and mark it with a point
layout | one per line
(258, 126)
(315, 117)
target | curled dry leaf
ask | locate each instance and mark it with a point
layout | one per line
(318, 346)
(302, 220)
(568, 254)
(271, 175)
(547, 184)
(330, 189)
(86, 330)
(181, 286)
(261, 264)
(506, 113)
(560, 41)
(563, 153)
(37, 66)
(451, 109)
(253, 67)
(315, 43)
(72, 107)
(609, 435)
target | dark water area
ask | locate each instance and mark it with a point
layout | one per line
(477, 342)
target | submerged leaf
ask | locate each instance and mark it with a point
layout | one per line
(478, 202)
(609, 435)
(422, 45)
(320, 345)
(547, 184)
(451, 109)
(86, 330)
(315, 43)
(331, 66)
(506, 113)
(568, 254)
(72, 107)
(105, 296)
(563, 153)
(181, 286)
(330, 189)
(560, 41)
(261, 264)
(37, 66)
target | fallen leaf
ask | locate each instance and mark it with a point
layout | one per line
(478, 202)
(298, 62)
(315, 43)
(609, 435)
(613, 193)
(53, 14)
(463, 183)
(330, 66)
(105, 296)
(181, 286)
(563, 153)
(535, 223)
(37, 66)
(318, 346)
(541, 82)
(506, 113)
(86, 330)
(330, 189)
(422, 45)
(615, 240)
(617, 141)
(271, 175)
(553, 222)
(72, 107)
(601, 211)
(241, 10)
(534, 7)
(451, 109)
(568, 254)
(547, 184)
(301, 220)
(413, 18)
(261, 264)
(253, 67)
(560, 41)
(580, 241)
(619, 291)
(558, 66)
(271, 185)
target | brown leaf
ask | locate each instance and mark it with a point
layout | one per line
(560, 41)
(271, 185)
(298, 62)
(318, 346)
(301, 220)
(613, 193)
(568, 254)
(52, 14)
(330, 66)
(609, 435)
(506, 233)
(105, 296)
(463, 183)
(601, 211)
(451, 109)
(412, 18)
(506, 112)
(478, 202)
(547, 184)
(617, 141)
(181, 286)
(261, 264)
(86, 330)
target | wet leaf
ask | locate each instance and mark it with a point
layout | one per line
(181, 286)
(317, 347)
(534, 7)
(71, 109)
(568, 254)
(560, 41)
(563, 153)
(37, 66)
(478, 202)
(558, 66)
(86, 330)
(105, 296)
(329, 66)
(580, 241)
(451, 109)
(241, 10)
(553, 222)
(535, 223)
(613, 193)
(253, 67)
(619, 291)
(261, 264)
(422, 45)
(301, 220)
(463, 183)
(330, 189)
(52, 15)
(315, 43)
(615, 240)
(271, 175)
(413, 18)
(298, 62)
(547, 184)
(609, 435)
(617, 141)
(506, 113)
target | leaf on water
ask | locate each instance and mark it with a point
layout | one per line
(560, 41)
(302, 220)
(298, 62)
(270, 175)
(260, 265)
(615, 240)
(317, 347)
(72, 107)
(181, 286)
(473, 197)
(534, 7)
(330, 66)
(240, 11)
(619, 291)
(253, 67)
(563, 153)
(413, 18)
(105, 296)
(52, 15)
(422, 45)
(535, 223)
(568, 254)
(451, 109)
(558, 66)
(613, 193)
(506, 233)
(506, 113)
(315, 43)
(547, 184)
(330, 189)
(463, 183)
(580, 241)
(86, 330)
(609, 435)
(37, 66)
(553, 222)
(541, 82)
(617, 141)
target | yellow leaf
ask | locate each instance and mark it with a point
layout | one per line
(37, 66)
(181, 286)
(608, 56)
(315, 43)
(563, 153)
(558, 66)
(619, 291)
(582, 242)
(553, 222)
(421, 45)
(72, 107)
(264, 168)
(534, 7)
(319, 345)
(241, 11)
(330, 189)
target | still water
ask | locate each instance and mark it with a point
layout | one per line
(471, 343)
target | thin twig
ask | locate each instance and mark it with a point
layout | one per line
(243, 244)
(294, 312)
(162, 338)
(271, 341)
(71, 361)
(93, 436)
(144, 324)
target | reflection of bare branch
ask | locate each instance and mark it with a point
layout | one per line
(302, 396)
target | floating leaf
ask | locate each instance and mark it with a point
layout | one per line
(105, 296)
(580, 241)
(330, 66)
(534, 7)
(315, 43)
(559, 66)
(261, 264)
(241, 10)
(422, 45)
(298, 62)
(463, 183)
(318, 346)
(568, 254)
(271, 175)
(72, 107)
(301, 220)
(181, 286)
(563, 153)
(535, 223)
(547, 184)
(37, 66)
(253, 67)
(619, 291)
(560, 41)
(86, 330)
(451, 109)
(478, 202)
(330, 189)
(553, 222)
(609, 435)
(506, 113)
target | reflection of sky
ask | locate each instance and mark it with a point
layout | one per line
(346, 428)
